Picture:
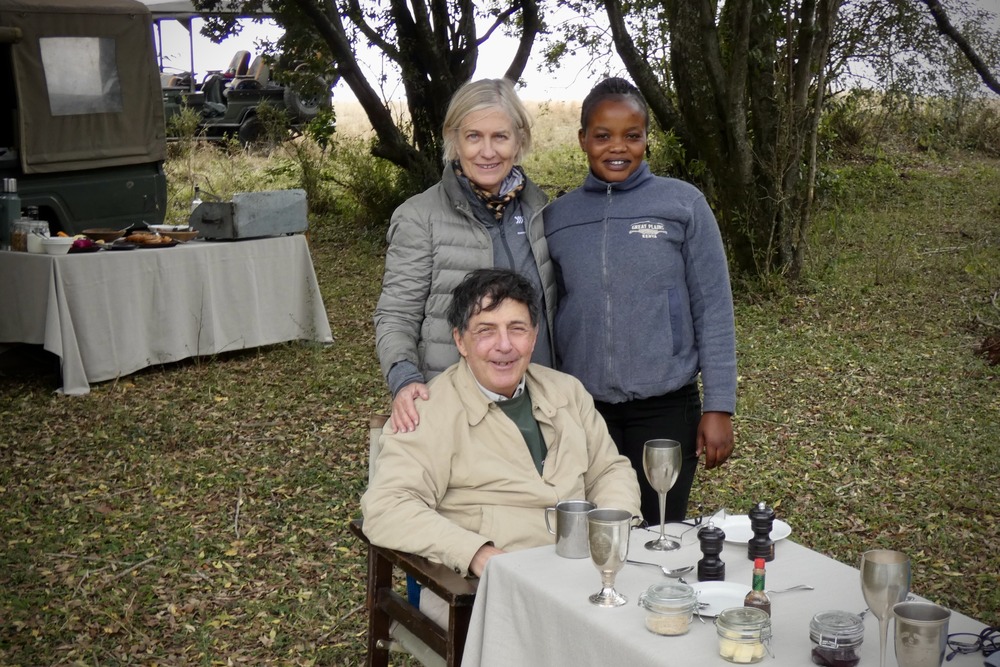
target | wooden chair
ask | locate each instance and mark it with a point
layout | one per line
(394, 622)
(413, 631)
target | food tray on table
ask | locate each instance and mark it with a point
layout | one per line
(150, 240)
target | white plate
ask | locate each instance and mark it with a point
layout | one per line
(719, 595)
(166, 229)
(738, 531)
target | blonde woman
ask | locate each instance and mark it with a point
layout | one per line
(484, 213)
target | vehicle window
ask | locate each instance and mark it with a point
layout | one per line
(81, 74)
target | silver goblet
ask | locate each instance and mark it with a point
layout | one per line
(885, 581)
(661, 461)
(607, 533)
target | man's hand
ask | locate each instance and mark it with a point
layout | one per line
(486, 552)
(715, 438)
(404, 409)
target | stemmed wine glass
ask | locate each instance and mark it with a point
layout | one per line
(661, 461)
(607, 534)
(885, 580)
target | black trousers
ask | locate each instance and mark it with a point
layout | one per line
(674, 416)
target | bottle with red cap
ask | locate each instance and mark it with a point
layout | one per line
(757, 598)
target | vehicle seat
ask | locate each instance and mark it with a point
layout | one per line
(257, 76)
(179, 81)
(238, 65)
(215, 103)
(213, 88)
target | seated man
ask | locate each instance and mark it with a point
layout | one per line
(500, 439)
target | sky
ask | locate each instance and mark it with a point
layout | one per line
(568, 84)
(571, 82)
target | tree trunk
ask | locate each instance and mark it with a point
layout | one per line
(436, 47)
(747, 87)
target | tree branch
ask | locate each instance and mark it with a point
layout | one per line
(531, 23)
(358, 18)
(642, 74)
(946, 28)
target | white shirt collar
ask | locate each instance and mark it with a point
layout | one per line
(499, 398)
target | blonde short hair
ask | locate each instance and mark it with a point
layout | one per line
(486, 94)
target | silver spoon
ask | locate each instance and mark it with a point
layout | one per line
(797, 587)
(675, 573)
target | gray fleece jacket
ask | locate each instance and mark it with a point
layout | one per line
(644, 297)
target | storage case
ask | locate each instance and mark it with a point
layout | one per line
(252, 215)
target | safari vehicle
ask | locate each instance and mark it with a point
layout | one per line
(228, 102)
(81, 123)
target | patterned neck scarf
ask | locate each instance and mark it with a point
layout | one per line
(495, 203)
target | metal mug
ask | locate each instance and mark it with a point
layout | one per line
(570, 527)
(921, 633)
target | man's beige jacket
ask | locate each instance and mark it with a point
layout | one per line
(465, 477)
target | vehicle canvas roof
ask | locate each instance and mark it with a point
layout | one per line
(72, 6)
(179, 9)
(128, 131)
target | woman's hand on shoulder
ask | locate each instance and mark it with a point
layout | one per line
(404, 415)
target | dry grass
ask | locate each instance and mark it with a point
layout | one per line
(555, 126)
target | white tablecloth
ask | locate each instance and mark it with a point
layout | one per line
(111, 313)
(532, 609)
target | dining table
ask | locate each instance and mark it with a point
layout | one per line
(532, 608)
(110, 313)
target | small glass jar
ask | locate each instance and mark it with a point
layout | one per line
(19, 235)
(669, 607)
(836, 637)
(744, 634)
(38, 230)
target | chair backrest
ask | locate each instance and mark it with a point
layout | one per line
(259, 71)
(238, 65)
(258, 75)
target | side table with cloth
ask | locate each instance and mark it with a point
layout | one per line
(531, 609)
(111, 313)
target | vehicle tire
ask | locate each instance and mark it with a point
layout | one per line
(302, 107)
(251, 131)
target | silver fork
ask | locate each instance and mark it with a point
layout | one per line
(796, 587)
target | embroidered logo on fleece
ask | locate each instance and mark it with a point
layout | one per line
(647, 229)
(519, 224)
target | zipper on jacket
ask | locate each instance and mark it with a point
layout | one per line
(606, 281)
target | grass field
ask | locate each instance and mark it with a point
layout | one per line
(196, 513)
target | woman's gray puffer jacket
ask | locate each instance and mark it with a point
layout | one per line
(435, 240)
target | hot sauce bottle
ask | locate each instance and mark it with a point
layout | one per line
(757, 598)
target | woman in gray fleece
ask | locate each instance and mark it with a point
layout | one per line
(645, 304)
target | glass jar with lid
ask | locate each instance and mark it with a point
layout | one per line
(37, 231)
(669, 607)
(836, 637)
(744, 634)
(19, 235)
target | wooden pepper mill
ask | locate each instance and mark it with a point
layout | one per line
(761, 521)
(711, 567)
